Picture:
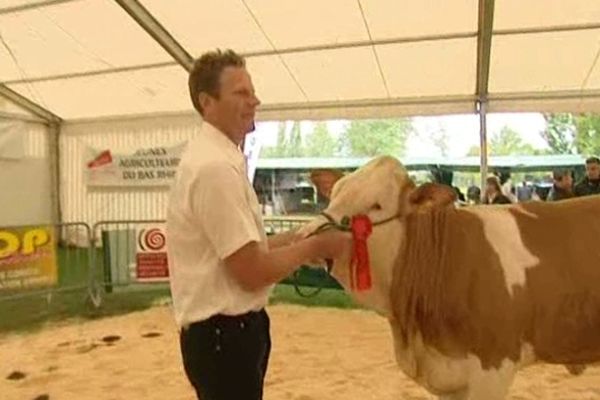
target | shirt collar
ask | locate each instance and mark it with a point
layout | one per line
(219, 139)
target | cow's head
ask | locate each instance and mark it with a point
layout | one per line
(381, 189)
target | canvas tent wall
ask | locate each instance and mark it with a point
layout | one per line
(97, 65)
(25, 173)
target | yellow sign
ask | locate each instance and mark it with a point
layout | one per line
(27, 257)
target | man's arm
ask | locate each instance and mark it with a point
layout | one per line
(282, 239)
(255, 267)
(223, 212)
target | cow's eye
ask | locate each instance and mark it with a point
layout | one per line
(377, 206)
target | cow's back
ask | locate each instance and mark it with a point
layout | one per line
(564, 287)
(508, 275)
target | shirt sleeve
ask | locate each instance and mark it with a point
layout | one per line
(222, 209)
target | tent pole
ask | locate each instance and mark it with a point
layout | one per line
(482, 110)
(54, 159)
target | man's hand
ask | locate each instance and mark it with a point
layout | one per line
(283, 239)
(255, 267)
(334, 244)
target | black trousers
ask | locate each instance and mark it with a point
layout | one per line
(226, 357)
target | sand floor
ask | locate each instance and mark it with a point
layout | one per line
(318, 353)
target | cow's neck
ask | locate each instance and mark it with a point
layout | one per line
(420, 281)
(384, 245)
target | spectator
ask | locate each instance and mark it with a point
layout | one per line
(591, 183)
(493, 192)
(562, 187)
(459, 195)
(473, 195)
(524, 192)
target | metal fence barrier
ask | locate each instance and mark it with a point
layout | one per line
(47, 271)
(45, 259)
(274, 225)
(132, 252)
(129, 252)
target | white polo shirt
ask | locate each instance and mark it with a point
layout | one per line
(213, 212)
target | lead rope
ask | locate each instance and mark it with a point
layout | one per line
(361, 227)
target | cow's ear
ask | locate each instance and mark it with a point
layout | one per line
(432, 195)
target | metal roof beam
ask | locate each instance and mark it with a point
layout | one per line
(484, 46)
(104, 71)
(20, 117)
(147, 21)
(28, 105)
(33, 6)
(260, 53)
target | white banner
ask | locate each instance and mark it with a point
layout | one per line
(12, 140)
(154, 166)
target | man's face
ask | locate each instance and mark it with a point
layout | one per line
(592, 171)
(234, 109)
(565, 182)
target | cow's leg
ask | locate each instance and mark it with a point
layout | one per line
(460, 395)
(492, 384)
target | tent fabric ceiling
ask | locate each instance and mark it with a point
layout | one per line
(89, 59)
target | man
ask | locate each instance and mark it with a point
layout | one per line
(562, 187)
(524, 192)
(222, 265)
(591, 183)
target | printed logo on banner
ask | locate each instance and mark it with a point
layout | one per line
(155, 166)
(27, 258)
(151, 258)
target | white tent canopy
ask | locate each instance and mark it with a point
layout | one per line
(310, 59)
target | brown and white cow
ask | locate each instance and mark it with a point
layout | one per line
(473, 294)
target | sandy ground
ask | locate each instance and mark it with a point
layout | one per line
(317, 354)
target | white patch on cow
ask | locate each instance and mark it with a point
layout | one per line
(431, 369)
(502, 232)
(461, 395)
(466, 379)
(492, 384)
(457, 378)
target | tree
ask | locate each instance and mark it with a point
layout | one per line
(289, 144)
(474, 151)
(559, 133)
(295, 148)
(280, 148)
(587, 136)
(507, 142)
(320, 143)
(440, 140)
(566, 133)
(368, 138)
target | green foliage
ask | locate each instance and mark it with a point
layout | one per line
(587, 138)
(507, 142)
(368, 138)
(566, 134)
(321, 143)
(559, 133)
